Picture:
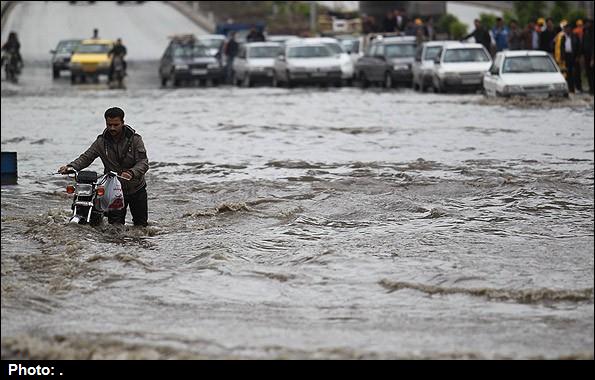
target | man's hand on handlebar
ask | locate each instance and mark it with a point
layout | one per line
(65, 169)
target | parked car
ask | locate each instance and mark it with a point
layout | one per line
(460, 66)
(524, 73)
(307, 62)
(347, 67)
(187, 60)
(388, 61)
(61, 56)
(255, 62)
(90, 60)
(424, 63)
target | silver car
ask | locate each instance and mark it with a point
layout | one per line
(255, 63)
(307, 62)
(424, 63)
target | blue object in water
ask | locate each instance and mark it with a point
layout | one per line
(9, 168)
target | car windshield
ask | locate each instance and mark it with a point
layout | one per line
(313, 51)
(190, 51)
(263, 51)
(335, 47)
(211, 43)
(93, 49)
(541, 64)
(400, 50)
(432, 52)
(350, 45)
(465, 55)
(66, 46)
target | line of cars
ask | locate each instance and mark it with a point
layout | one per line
(287, 61)
(84, 59)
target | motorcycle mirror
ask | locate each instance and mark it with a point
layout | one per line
(100, 191)
(70, 189)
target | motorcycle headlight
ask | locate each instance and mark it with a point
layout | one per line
(84, 189)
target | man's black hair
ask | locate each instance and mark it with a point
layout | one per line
(114, 112)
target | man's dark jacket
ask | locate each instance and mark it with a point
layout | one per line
(128, 154)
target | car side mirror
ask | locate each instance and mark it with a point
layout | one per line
(52, 52)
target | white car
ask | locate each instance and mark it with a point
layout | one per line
(460, 66)
(524, 73)
(307, 62)
(255, 63)
(424, 63)
(347, 67)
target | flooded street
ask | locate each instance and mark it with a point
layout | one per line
(303, 223)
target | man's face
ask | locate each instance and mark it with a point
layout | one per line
(114, 125)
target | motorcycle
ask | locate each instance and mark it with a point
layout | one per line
(117, 73)
(87, 190)
(11, 66)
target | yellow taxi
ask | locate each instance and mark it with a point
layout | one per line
(90, 59)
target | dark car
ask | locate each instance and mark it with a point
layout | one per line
(187, 60)
(388, 61)
(61, 56)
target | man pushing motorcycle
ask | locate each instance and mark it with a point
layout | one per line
(121, 150)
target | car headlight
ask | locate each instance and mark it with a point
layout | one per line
(181, 67)
(559, 86)
(256, 69)
(400, 67)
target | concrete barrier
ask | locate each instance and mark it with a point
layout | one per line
(5, 9)
(204, 22)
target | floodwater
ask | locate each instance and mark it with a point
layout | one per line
(303, 223)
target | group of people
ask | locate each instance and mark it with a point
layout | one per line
(571, 45)
(397, 21)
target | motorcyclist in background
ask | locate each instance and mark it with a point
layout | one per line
(117, 50)
(13, 46)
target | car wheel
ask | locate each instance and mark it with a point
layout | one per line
(288, 83)
(72, 79)
(56, 73)
(388, 81)
(163, 81)
(363, 82)
(275, 81)
(246, 81)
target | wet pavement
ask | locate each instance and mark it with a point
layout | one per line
(303, 223)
